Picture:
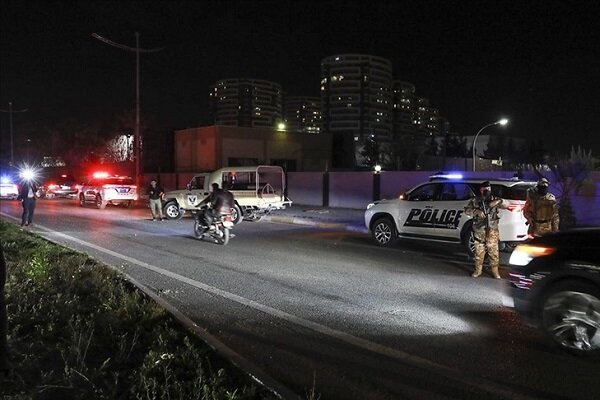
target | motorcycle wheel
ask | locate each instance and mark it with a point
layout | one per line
(223, 238)
(198, 231)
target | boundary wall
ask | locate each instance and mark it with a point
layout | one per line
(355, 190)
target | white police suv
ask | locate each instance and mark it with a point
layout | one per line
(435, 211)
(103, 189)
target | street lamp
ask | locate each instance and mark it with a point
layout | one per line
(10, 112)
(137, 140)
(502, 122)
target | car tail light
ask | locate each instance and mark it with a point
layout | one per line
(515, 207)
(524, 253)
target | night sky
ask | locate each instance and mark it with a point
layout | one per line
(535, 62)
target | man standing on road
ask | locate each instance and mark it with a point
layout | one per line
(27, 193)
(541, 210)
(484, 211)
(155, 195)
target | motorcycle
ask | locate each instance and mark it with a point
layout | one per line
(218, 230)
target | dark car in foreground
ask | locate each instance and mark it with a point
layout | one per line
(554, 284)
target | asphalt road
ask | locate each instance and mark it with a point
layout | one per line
(328, 311)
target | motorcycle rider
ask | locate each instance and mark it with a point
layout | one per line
(221, 201)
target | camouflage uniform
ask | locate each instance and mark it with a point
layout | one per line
(486, 236)
(541, 212)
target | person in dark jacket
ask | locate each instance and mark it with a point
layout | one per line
(27, 195)
(221, 201)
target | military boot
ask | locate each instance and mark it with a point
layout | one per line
(495, 273)
(477, 271)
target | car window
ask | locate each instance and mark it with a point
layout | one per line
(456, 191)
(515, 192)
(197, 182)
(425, 193)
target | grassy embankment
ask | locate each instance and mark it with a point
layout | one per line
(77, 329)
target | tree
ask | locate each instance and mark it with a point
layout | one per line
(569, 175)
(455, 146)
(431, 146)
(370, 151)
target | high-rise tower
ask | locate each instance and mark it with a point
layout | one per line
(246, 102)
(356, 99)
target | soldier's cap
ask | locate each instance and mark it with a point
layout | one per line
(542, 182)
(485, 184)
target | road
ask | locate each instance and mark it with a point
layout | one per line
(327, 310)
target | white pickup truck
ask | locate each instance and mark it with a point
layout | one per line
(257, 191)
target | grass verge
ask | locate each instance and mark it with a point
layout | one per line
(77, 329)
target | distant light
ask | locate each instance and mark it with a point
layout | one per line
(99, 175)
(377, 168)
(503, 121)
(27, 174)
(281, 126)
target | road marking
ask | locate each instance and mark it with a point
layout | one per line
(345, 337)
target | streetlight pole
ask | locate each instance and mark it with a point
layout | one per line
(10, 112)
(502, 122)
(137, 140)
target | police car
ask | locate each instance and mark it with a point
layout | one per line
(104, 189)
(435, 211)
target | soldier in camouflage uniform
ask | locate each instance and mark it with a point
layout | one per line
(484, 211)
(541, 210)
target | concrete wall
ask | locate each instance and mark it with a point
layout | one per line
(356, 189)
(305, 188)
(350, 189)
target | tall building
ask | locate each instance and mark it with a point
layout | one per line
(302, 114)
(246, 102)
(404, 108)
(356, 100)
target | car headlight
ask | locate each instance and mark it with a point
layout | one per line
(524, 253)
(370, 205)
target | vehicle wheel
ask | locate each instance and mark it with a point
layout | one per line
(468, 239)
(570, 317)
(81, 201)
(236, 214)
(172, 211)
(198, 231)
(384, 232)
(223, 238)
(100, 203)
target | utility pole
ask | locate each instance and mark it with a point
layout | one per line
(10, 112)
(137, 139)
